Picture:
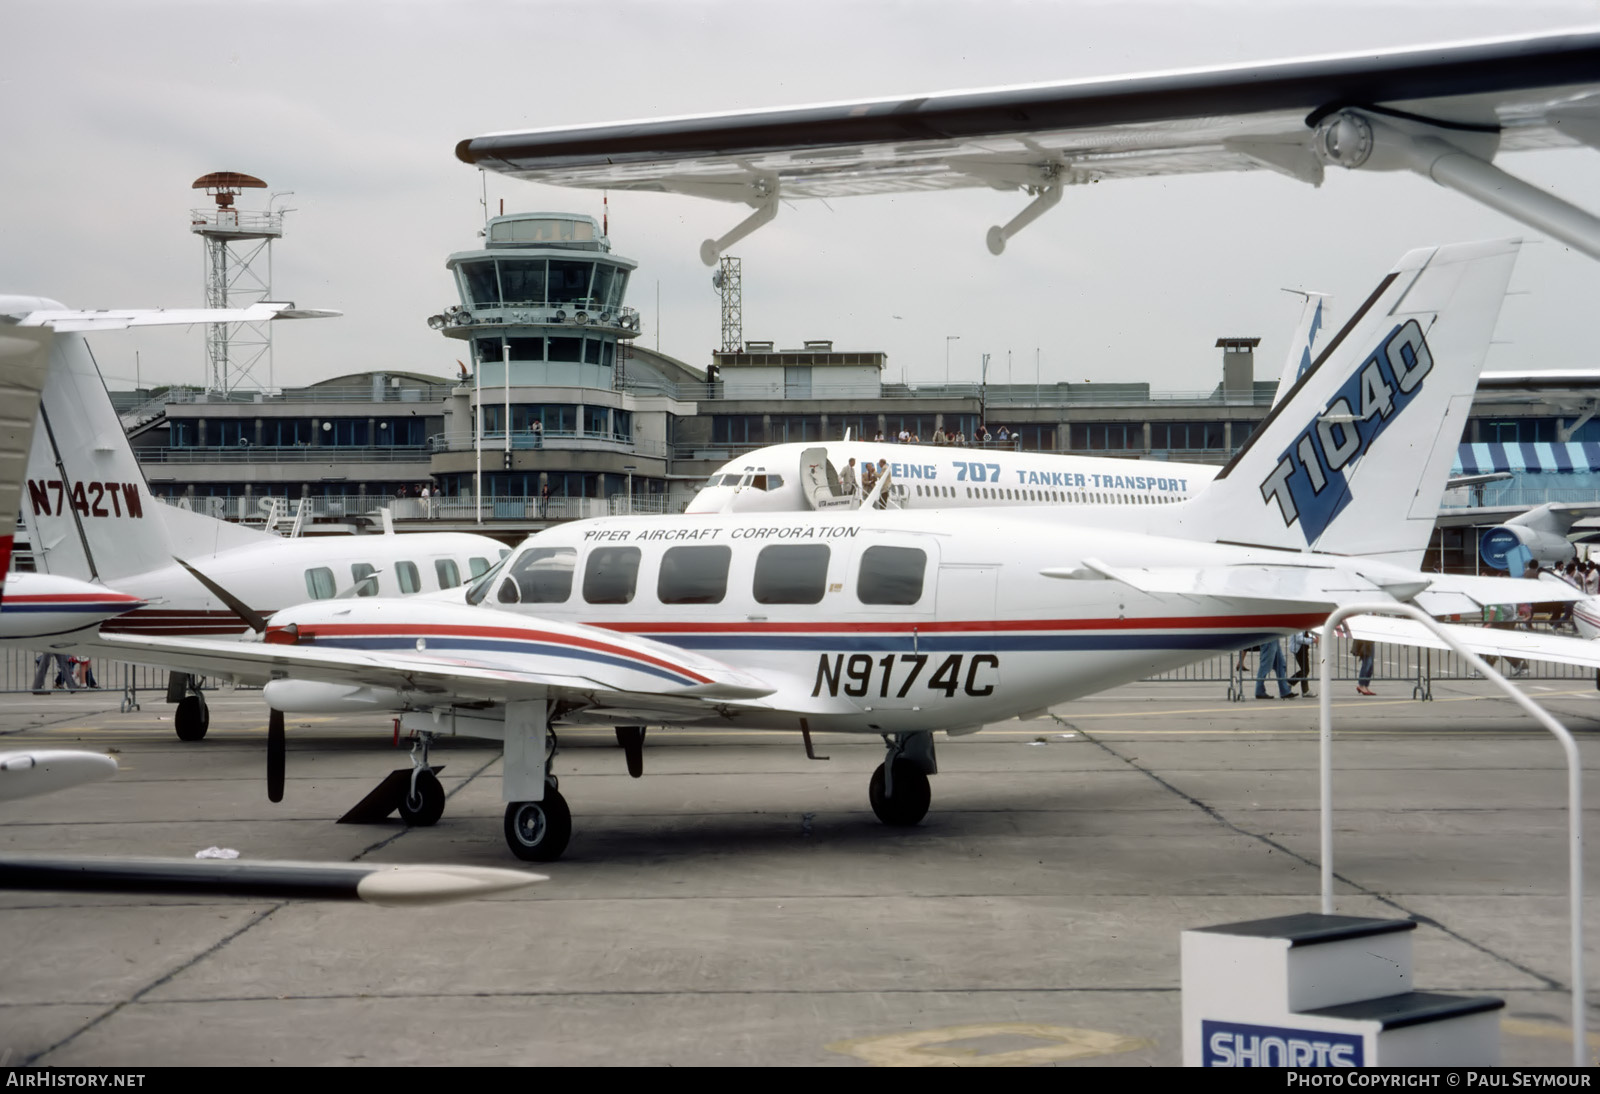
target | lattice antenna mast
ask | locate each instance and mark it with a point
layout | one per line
(729, 283)
(238, 273)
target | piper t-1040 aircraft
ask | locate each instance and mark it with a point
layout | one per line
(93, 517)
(901, 624)
(1443, 112)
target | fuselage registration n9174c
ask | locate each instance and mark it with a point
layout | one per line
(904, 623)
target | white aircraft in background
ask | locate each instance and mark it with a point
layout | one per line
(93, 517)
(900, 624)
(807, 475)
(1443, 112)
(31, 772)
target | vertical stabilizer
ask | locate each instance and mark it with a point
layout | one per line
(24, 363)
(1310, 334)
(1354, 459)
(86, 501)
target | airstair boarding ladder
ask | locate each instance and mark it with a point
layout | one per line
(1314, 990)
(1539, 714)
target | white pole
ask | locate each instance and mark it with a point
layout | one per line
(505, 361)
(477, 438)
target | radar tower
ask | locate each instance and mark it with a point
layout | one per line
(729, 283)
(238, 249)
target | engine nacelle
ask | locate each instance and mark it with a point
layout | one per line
(1545, 548)
(311, 697)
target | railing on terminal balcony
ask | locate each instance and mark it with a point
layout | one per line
(301, 453)
(278, 513)
(408, 392)
(523, 440)
(1019, 395)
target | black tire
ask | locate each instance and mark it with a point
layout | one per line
(191, 719)
(912, 795)
(428, 804)
(539, 831)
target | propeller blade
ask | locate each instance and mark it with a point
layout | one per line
(254, 619)
(275, 755)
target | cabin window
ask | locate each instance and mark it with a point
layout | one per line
(611, 575)
(543, 575)
(448, 573)
(477, 567)
(319, 583)
(694, 575)
(410, 580)
(891, 575)
(791, 574)
(363, 574)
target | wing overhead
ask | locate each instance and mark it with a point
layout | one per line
(1294, 117)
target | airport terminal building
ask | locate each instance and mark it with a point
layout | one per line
(554, 412)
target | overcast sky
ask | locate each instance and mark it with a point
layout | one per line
(112, 110)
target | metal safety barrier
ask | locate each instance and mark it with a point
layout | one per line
(1535, 711)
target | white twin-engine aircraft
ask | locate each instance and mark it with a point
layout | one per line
(93, 518)
(902, 623)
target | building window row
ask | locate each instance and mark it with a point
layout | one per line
(539, 282)
(404, 432)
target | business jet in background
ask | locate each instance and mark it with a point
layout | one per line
(93, 517)
(901, 624)
(1443, 112)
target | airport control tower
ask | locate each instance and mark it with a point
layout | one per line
(541, 307)
(238, 273)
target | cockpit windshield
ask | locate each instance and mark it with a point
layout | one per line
(480, 588)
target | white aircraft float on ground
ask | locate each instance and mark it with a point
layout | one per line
(901, 624)
(93, 517)
(1443, 112)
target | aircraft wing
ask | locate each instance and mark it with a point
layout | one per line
(1499, 514)
(1484, 641)
(1507, 94)
(436, 653)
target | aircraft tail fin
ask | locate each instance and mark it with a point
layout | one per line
(1308, 335)
(1355, 457)
(24, 363)
(91, 513)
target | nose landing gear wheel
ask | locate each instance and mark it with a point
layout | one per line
(191, 719)
(539, 831)
(426, 805)
(909, 804)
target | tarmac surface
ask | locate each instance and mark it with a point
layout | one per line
(741, 905)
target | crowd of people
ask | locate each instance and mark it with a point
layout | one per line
(981, 437)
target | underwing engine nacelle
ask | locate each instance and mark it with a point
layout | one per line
(1545, 547)
(311, 697)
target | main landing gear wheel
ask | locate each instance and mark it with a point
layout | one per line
(423, 805)
(192, 718)
(909, 803)
(539, 831)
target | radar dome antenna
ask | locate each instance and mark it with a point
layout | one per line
(238, 273)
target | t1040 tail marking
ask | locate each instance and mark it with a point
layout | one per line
(1309, 483)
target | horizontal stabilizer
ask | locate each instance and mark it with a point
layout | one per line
(67, 319)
